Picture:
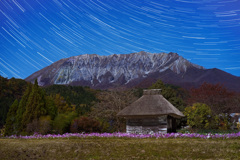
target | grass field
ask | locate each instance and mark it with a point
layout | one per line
(119, 148)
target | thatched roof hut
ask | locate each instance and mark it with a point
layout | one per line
(152, 112)
(151, 104)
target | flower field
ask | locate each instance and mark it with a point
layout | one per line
(127, 135)
(121, 146)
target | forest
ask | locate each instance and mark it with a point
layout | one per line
(27, 108)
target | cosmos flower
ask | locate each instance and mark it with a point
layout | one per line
(129, 135)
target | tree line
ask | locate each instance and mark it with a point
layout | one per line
(47, 110)
(10, 89)
(60, 109)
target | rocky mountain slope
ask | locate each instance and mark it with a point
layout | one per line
(130, 70)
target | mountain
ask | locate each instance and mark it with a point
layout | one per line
(131, 70)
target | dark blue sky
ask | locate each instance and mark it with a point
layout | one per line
(36, 33)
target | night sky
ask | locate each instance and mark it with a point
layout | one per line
(36, 33)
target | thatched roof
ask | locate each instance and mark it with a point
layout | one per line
(152, 103)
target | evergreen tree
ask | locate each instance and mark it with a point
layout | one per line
(60, 103)
(11, 121)
(158, 85)
(173, 95)
(51, 107)
(10, 89)
(22, 108)
(170, 94)
(35, 106)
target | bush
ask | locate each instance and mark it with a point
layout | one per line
(105, 126)
(2, 131)
(45, 124)
(198, 116)
(42, 126)
(62, 122)
(33, 126)
(223, 121)
(85, 124)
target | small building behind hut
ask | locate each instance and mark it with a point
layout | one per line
(151, 113)
(235, 120)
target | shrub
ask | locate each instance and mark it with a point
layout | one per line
(45, 124)
(33, 126)
(223, 121)
(2, 131)
(105, 126)
(198, 116)
(85, 124)
(62, 122)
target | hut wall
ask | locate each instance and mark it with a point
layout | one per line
(147, 125)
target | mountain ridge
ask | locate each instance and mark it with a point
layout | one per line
(129, 70)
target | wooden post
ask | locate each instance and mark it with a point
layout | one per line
(174, 125)
(169, 124)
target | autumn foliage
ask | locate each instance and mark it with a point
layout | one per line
(63, 109)
(216, 96)
(211, 106)
(85, 124)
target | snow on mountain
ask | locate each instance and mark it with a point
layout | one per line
(95, 69)
(130, 70)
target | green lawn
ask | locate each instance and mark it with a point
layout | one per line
(119, 148)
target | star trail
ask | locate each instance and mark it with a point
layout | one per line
(36, 33)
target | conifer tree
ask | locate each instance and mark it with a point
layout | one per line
(11, 121)
(51, 107)
(22, 108)
(35, 106)
(170, 94)
(62, 105)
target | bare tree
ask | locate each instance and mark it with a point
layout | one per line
(111, 102)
